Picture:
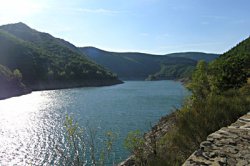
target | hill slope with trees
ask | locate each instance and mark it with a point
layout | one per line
(46, 62)
(143, 66)
(197, 56)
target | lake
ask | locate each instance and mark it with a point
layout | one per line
(31, 126)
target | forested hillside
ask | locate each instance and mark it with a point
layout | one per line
(197, 56)
(41, 39)
(46, 62)
(232, 68)
(143, 66)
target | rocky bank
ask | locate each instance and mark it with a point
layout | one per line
(157, 132)
(227, 146)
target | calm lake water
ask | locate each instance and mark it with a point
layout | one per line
(31, 126)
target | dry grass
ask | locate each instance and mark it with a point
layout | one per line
(248, 80)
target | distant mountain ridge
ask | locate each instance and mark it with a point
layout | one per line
(133, 65)
(197, 56)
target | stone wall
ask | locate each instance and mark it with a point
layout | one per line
(227, 146)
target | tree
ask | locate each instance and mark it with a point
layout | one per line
(200, 83)
(135, 143)
(229, 73)
(17, 74)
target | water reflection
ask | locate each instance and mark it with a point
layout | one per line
(28, 124)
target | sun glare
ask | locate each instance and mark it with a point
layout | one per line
(25, 104)
(13, 9)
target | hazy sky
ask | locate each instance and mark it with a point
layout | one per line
(153, 26)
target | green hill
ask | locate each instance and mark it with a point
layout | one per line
(134, 65)
(242, 51)
(197, 56)
(47, 62)
(40, 39)
(232, 68)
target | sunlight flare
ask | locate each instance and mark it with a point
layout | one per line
(17, 9)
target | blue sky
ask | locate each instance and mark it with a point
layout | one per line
(152, 26)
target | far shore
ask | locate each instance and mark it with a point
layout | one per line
(58, 85)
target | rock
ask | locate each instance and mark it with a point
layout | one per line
(128, 162)
(227, 146)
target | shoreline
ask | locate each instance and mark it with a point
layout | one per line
(59, 85)
(17, 94)
(71, 84)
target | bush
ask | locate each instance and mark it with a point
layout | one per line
(196, 122)
(135, 143)
(81, 141)
(18, 74)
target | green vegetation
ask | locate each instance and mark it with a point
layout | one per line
(135, 143)
(146, 66)
(17, 74)
(172, 72)
(81, 141)
(197, 56)
(232, 68)
(195, 122)
(44, 60)
(220, 95)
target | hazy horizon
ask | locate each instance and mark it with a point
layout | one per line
(149, 26)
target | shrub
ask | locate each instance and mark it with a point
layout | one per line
(81, 141)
